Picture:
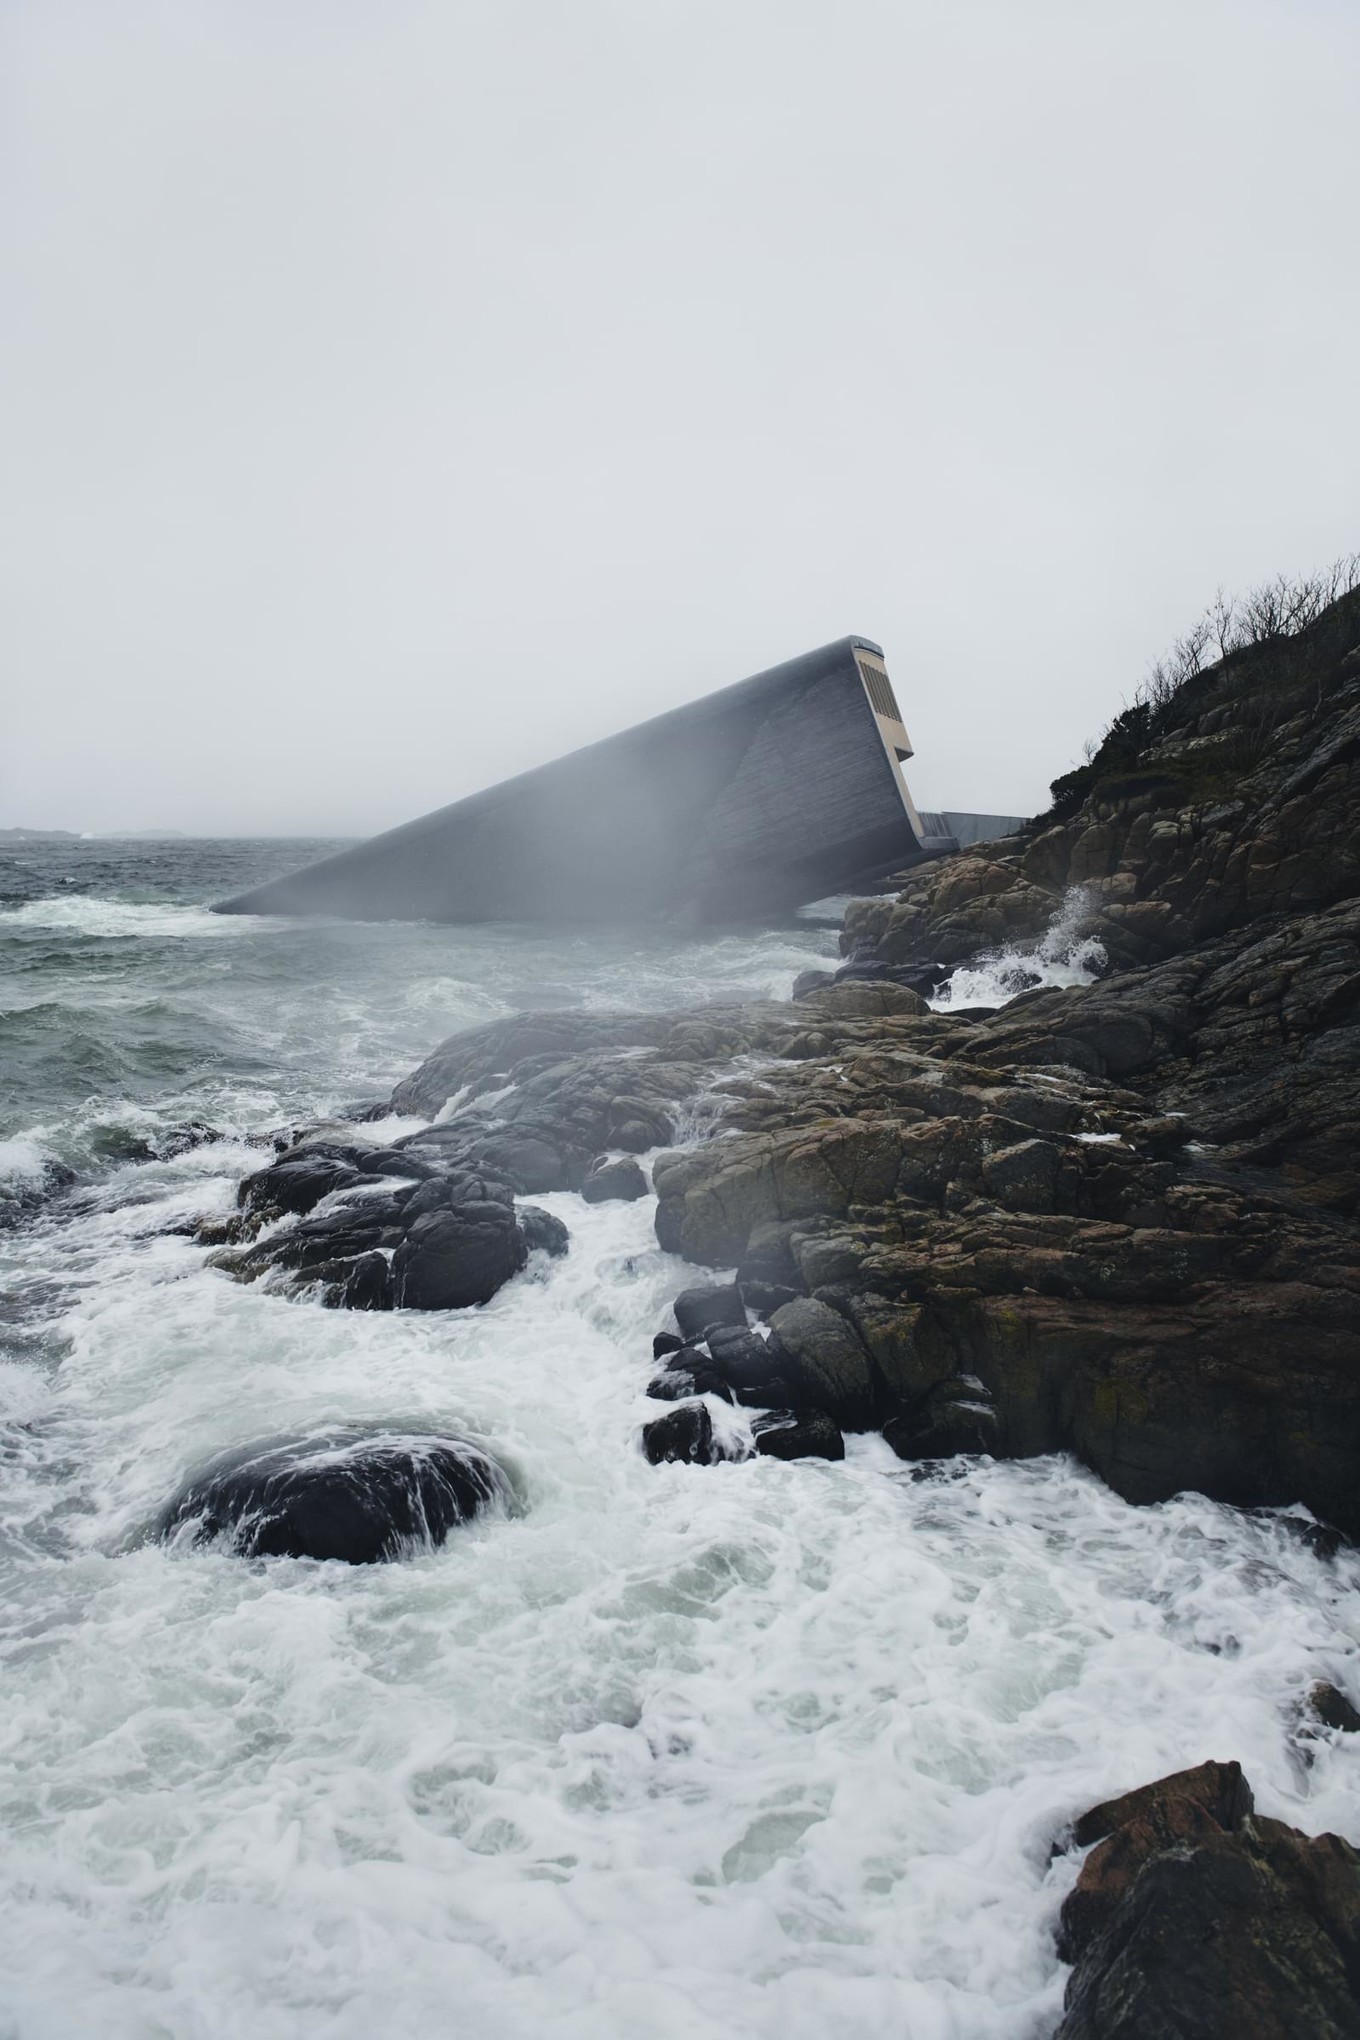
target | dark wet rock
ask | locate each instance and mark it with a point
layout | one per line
(742, 1367)
(684, 1433)
(441, 1235)
(765, 1297)
(673, 1385)
(439, 1190)
(295, 1184)
(691, 1373)
(782, 1435)
(1328, 1705)
(606, 1180)
(543, 1231)
(740, 1350)
(1324, 1540)
(363, 1282)
(809, 981)
(448, 1260)
(826, 1362)
(1196, 1917)
(365, 1110)
(531, 1165)
(184, 1138)
(221, 1232)
(396, 1162)
(951, 1417)
(121, 1144)
(697, 1309)
(664, 1343)
(340, 1496)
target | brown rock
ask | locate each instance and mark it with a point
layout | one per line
(1194, 1917)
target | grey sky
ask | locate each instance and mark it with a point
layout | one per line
(396, 395)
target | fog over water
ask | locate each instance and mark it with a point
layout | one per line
(396, 397)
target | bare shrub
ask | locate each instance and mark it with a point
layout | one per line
(1265, 655)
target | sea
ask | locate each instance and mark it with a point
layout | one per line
(753, 1752)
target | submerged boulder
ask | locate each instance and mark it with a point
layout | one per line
(354, 1498)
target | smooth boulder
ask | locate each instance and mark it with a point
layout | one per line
(714, 1304)
(543, 1233)
(619, 1181)
(451, 1259)
(344, 1496)
(826, 1361)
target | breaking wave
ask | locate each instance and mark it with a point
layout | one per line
(758, 1752)
(1062, 957)
(115, 920)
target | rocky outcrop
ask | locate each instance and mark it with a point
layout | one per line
(1135, 1249)
(346, 1496)
(1235, 800)
(1195, 1916)
(1117, 1220)
(381, 1229)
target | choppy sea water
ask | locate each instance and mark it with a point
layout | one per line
(718, 1754)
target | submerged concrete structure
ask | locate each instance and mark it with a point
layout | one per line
(778, 790)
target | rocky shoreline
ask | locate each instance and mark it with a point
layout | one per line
(1116, 1220)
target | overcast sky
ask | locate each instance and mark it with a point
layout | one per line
(398, 394)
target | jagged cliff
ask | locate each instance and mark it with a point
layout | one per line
(1231, 800)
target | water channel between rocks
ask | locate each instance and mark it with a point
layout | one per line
(751, 1750)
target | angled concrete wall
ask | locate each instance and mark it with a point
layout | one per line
(774, 791)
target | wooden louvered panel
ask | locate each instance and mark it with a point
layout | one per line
(879, 688)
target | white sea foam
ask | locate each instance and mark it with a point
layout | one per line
(24, 1159)
(91, 915)
(752, 1752)
(756, 1750)
(1062, 957)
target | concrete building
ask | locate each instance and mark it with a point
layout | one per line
(778, 790)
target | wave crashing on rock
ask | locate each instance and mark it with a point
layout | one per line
(357, 1498)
